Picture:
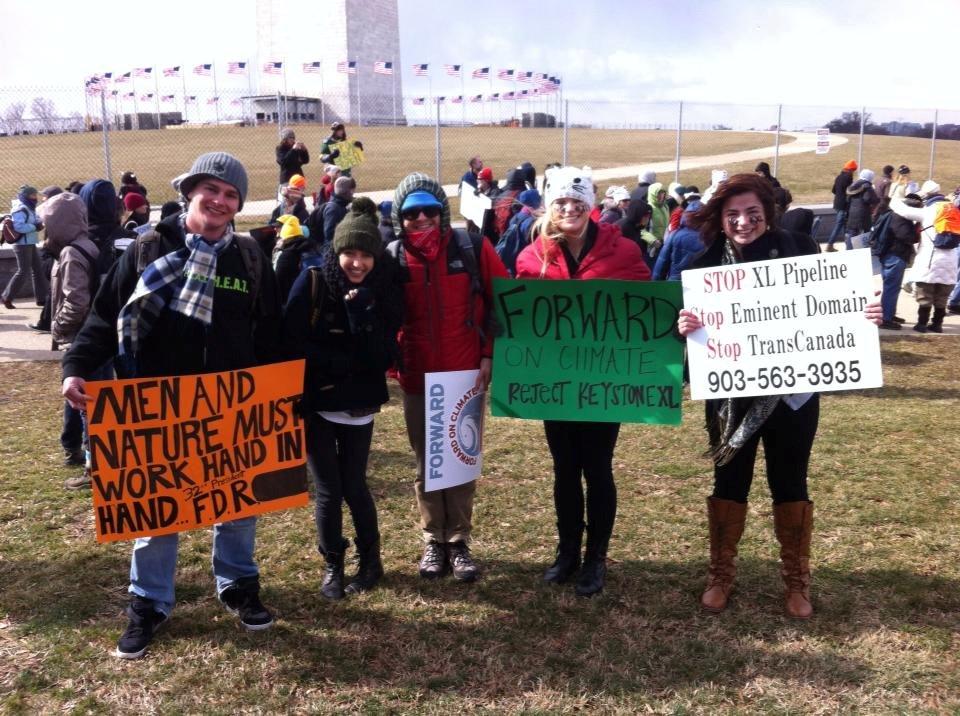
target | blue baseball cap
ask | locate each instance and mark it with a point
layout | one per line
(420, 200)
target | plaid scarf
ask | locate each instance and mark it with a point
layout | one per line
(180, 281)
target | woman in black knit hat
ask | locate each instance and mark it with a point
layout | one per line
(343, 317)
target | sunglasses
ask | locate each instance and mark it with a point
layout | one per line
(431, 212)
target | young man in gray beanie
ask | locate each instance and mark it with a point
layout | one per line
(207, 302)
(335, 209)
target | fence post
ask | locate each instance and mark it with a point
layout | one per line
(566, 131)
(863, 118)
(933, 144)
(776, 149)
(106, 138)
(437, 140)
(676, 171)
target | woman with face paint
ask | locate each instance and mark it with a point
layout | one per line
(567, 244)
(343, 317)
(737, 226)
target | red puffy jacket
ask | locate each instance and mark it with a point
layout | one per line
(611, 256)
(443, 315)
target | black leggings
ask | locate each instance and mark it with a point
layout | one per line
(583, 449)
(337, 455)
(787, 441)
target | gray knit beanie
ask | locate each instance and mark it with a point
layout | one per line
(218, 165)
(344, 186)
(358, 229)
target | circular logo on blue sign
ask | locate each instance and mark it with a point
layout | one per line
(470, 426)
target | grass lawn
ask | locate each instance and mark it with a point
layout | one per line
(886, 582)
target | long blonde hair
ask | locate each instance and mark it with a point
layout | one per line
(545, 231)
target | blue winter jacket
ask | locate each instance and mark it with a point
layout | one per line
(24, 222)
(679, 251)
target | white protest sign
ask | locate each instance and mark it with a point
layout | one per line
(783, 326)
(472, 205)
(823, 141)
(453, 416)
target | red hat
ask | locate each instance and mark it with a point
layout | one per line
(486, 174)
(133, 201)
(851, 166)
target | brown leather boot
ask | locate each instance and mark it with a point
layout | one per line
(793, 523)
(726, 519)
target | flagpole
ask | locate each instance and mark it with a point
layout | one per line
(136, 109)
(393, 66)
(463, 103)
(248, 115)
(286, 94)
(183, 83)
(216, 97)
(356, 64)
(156, 94)
(323, 111)
(515, 94)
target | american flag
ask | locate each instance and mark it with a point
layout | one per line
(440, 100)
(419, 100)
(236, 68)
(312, 67)
(495, 97)
(525, 76)
(123, 78)
(142, 71)
(190, 99)
(383, 68)
(509, 95)
(539, 77)
(114, 93)
(457, 100)
(167, 98)
(348, 67)
(524, 92)
(477, 98)
(171, 71)
(145, 97)
(273, 68)
(205, 70)
(92, 88)
(481, 73)
(128, 95)
(213, 100)
(452, 70)
(236, 101)
(106, 76)
(505, 74)
(420, 70)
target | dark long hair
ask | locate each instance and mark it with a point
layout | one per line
(709, 218)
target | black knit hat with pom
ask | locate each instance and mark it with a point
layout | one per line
(358, 229)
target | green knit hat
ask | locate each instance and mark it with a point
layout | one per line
(358, 229)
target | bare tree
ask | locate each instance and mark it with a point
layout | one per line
(45, 112)
(13, 117)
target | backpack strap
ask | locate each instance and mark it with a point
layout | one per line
(253, 261)
(316, 296)
(147, 246)
(470, 246)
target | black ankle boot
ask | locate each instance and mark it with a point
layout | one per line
(566, 564)
(332, 587)
(923, 315)
(592, 575)
(936, 324)
(370, 570)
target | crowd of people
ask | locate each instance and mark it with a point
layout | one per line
(363, 291)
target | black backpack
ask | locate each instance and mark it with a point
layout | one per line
(881, 238)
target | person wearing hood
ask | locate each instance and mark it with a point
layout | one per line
(448, 310)
(739, 226)
(635, 225)
(26, 224)
(292, 201)
(680, 249)
(763, 169)
(567, 244)
(289, 252)
(130, 184)
(343, 318)
(841, 202)
(328, 150)
(103, 220)
(71, 296)
(861, 200)
(616, 200)
(291, 155)
(207, 303)
(717, 178)
(660, 218)
(934, 270)
(640, 192)
(335, 209)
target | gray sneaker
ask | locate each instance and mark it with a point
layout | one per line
(80, 482)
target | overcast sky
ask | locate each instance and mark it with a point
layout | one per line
(813, 52)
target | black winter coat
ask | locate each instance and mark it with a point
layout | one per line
(291, 162)
(862, 199)
(347, 355)
(844, 179)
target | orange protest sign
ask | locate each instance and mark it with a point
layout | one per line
(178, 453)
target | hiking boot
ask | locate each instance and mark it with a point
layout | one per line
(144, 623)
(332, 586)
(434, 562)
(464, 568)
(369, 572)
(923, 315)
(891, 325)
(8, 304)
(830, 249)
(74, 457)
(80, 482)
(936, 323)
(242, 599)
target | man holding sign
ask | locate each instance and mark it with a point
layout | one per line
(190, 297)
(776, 403)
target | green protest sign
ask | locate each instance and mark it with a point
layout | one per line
(598, 351)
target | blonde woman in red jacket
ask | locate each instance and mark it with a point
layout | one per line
(568, 244)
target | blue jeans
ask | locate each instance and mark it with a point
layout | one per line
(153, 564)
(891, 269)
(954, 299)
(838, 227)
(71, 438)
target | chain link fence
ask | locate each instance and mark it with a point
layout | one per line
(56, 135)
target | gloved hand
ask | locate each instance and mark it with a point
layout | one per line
(334, 154)
(358, 144)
